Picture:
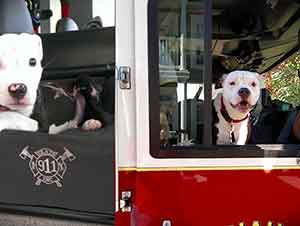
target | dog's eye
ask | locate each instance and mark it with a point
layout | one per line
(232, 83)
(253, 84)
(32, 62)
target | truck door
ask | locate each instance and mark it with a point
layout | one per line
(125, 100)
(173, 173)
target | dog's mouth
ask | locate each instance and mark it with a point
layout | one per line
(4, 108)
(243, 106)
(13, 106)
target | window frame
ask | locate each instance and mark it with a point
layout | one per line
(206, 150)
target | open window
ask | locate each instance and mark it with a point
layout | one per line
(193, 43)
(69, 174)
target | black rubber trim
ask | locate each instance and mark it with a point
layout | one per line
(231, 151)
(153, 73)
(59, 213)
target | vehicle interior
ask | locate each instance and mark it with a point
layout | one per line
(257, 36)
(249, 35)
(81, 192)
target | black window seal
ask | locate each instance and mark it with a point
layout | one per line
(207, 137)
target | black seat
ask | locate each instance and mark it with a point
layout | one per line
(268, 118)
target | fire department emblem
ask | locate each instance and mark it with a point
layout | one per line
(47, 166)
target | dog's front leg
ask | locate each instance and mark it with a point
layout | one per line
(53, 129)
(17, 121)
(242, 133)
(72, 124)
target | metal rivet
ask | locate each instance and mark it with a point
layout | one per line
(166, 223)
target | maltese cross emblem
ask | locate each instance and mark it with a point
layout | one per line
(47, 166)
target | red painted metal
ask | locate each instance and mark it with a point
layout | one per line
(212, 198)
(126, 182)
(65, 9)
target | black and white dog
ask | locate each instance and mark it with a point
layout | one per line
(89, 114)
(20, 74)
(232, 106)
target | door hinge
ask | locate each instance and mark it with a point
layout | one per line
(124, 77)
(126, 201)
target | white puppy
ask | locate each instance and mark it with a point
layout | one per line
(20, 74)
(241, 91)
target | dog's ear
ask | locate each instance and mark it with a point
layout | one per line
(261, 79)
(220, 82)
(224, 76)
(99, 87)
(36, 42)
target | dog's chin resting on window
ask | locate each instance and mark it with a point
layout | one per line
(20, 74)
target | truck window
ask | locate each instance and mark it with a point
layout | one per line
(202, 54)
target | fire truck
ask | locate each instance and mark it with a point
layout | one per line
(159, 63)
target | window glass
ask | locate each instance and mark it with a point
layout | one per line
(181, 46)
(251, 96)
(283, 81)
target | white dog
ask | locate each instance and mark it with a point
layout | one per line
(20, 74)
(241, 91)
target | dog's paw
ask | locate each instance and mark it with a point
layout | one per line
(91, 124)
(53, 129)
(26, 125)
(34, 127)
(73, 124)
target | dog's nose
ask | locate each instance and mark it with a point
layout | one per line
(17, 90)
(244, 92)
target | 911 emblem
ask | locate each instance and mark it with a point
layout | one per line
(46, 166)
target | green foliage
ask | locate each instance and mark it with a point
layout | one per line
(284, 81)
